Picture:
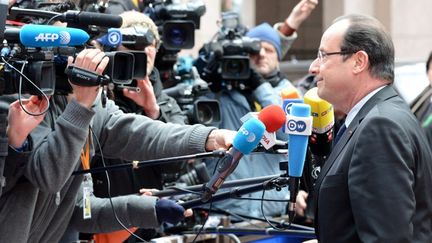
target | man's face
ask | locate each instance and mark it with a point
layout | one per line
(266, 61)
(333, 73)
(150, 52)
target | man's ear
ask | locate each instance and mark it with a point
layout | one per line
(361, 61)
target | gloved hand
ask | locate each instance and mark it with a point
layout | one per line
(169, 211)
(255, 79)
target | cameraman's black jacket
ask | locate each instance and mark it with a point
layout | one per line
(130, 181)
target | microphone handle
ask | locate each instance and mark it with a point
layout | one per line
(172, 191)
(237, 192)
(216, 153)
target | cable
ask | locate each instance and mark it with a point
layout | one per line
(210, 206)
(234, 238)
(109, 189)
(22, 75)
(185, 190)
(259, 199)
(53, 18)
(268, 222)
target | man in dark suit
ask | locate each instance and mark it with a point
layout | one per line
(376, 184)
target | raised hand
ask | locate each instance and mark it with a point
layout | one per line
(20, 124)
(145, 98)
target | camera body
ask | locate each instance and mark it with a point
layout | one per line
(177, 22)
(225, 62)
(188, 93)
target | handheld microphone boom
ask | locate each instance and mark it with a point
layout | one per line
(246, 139)
(299, 128)
(32, 35)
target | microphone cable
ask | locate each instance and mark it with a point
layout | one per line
(109, 190)
(210, 206)
(264, 216)
(22, 75)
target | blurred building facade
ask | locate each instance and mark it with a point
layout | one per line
(408, 22)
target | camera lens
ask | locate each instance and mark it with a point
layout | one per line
(234, 66)
(205, 114)
(176, 36)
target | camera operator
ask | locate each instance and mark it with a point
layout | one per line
(19, 126)
(149, 101)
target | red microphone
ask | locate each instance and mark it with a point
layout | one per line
(273, 117)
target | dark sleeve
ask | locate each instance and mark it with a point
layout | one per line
(12, 168)
(428, 132)
(132, 210)
(381, 182)
(170, 110)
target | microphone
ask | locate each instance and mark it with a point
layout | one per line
(298, 127)
(273, 118)
(112, 39)
(90, 18)
(246, 139)
(320, 142)
(32, 35)
(290, 93)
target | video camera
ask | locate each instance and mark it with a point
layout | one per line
(227, 57)
(40, 53)
(188, 92)
(177, 22)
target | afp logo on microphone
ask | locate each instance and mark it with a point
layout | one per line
(296, 126)
(63, 36)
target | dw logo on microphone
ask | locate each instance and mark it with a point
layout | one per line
(298, 126)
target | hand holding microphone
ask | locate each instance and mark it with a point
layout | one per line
(246, 139)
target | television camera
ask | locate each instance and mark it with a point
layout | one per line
(224, 62)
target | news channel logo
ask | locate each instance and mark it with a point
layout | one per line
(65, 37)
(296, 126)
(250, 136)
(114, 38)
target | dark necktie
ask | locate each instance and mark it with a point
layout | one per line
(339, 134)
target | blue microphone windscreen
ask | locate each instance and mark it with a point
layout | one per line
(47, 35)
(297, 144)
(249, 135)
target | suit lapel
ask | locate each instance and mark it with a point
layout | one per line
(386, 93)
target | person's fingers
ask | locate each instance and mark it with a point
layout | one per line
(34, 99)
(70, 60)
(80, 57)
(102, 65)
(96, 60)
(130, 94)
(148, 192)
(90, 59)
(188, 213)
